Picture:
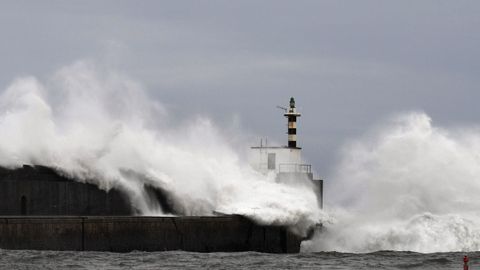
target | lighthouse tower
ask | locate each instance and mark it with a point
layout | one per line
(291, 114)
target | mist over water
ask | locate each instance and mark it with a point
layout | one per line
(99, 126)
(405, 185)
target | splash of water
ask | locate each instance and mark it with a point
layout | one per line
(406, 185)
(101, 127)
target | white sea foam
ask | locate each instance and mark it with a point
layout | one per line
(99, 126)
(406, 185)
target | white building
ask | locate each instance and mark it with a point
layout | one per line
(280, 159)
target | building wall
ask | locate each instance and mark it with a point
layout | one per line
(284, 157)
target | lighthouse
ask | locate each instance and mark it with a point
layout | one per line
(291, 114)
(281, 159)
(286, 161)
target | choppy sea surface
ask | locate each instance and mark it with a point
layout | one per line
(28, 259)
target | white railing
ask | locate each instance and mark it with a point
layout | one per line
(294, 168)
(286, 168)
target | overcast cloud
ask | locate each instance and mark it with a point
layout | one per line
(348, 63)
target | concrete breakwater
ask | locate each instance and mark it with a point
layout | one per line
(43, 210)
(124, 234)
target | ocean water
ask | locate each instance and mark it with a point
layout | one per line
(30, 259)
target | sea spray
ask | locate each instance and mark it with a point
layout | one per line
(406, 185)
(99, 126)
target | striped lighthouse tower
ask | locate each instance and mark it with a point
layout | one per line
(292, 115)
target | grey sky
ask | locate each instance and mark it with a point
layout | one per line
(348, 63)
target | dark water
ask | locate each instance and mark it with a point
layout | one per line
(247, 260)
